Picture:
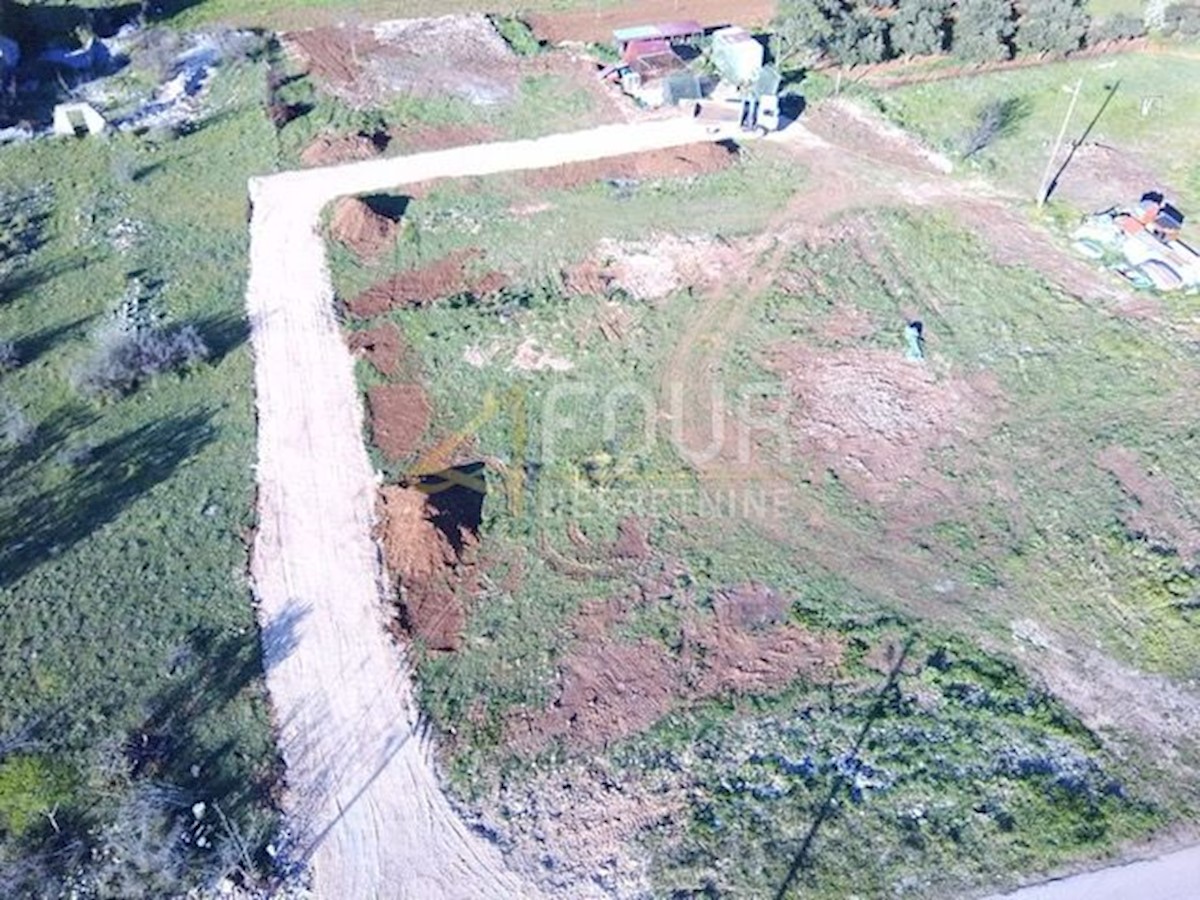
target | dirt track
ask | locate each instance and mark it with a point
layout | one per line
(362, 788)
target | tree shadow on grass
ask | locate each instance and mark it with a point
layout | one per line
(222, 334)
(30, 348)
(58, 513)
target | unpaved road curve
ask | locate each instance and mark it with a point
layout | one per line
(361, 783)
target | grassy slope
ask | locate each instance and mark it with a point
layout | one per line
(1166, 140)
(123, 593)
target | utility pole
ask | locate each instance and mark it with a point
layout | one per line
(1044, 186)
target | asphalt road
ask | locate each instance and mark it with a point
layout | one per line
(1175, 876)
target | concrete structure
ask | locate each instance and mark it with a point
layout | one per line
(659, 79)
(737, 55)
(73, 119)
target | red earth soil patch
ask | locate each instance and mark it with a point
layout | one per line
(447, 277)
(383, 347)
(435, 578)
(846, 126)
(399, 416)
(365, 232)
(417, 138)
(331, 149)
(333, 54)
(1100, 177)
(461, 56)
(633, 539)
(597, 24)
(873, 417)
(611, 688)
(673, 162)
(1159, 513)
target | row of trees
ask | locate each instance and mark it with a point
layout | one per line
(973, 30)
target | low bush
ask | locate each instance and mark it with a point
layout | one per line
(517, 35)
(123, 359)
(1182, 20)
(1121, 27)
(15, 429)
(9, 357)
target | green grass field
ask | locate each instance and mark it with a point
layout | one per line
(1148, 117)
(128, 639)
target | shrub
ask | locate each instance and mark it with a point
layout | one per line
(860, 39)
(1182, 20)
(1052, 26)
(517, 35)
(123, 359)
(919, 27)
(804, 29)
(994, 119)
(15, 429)
(983, 31)
(1121, 27)
(9, 357)
(30, 787)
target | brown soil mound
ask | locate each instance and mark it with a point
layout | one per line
(610, 689)
(331, 149)
(433, 575)
(383, 347)
(399, 416)
(873, 417)
(674, 162)
(597, 24)
(1158, 513)
(366, 232)
(447, 277)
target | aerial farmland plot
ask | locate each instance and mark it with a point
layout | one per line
(428, 471)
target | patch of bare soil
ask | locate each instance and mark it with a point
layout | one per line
(365, 232)
(610, 688)
(1158, 512)
(420, 138)
(433, 565)
(850, 125)
(674, 162)
(597, 24)
(458, 56)
(652, 268)
(1100, 176)
(449, 276)
(1143, 716)
(399, 416)
(873, 418)
(331, 149)
(383, 347)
